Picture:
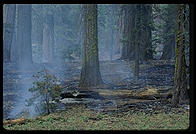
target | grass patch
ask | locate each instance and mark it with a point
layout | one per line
(79, 118)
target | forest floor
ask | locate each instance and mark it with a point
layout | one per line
(127, 104)
(79, 118)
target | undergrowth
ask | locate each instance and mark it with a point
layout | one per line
(79, 118)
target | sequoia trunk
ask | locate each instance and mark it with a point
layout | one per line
(90, 74)
(180, 85)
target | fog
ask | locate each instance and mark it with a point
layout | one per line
(66, 50)
(56, 45)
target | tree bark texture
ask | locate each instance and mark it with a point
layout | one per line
(180, 87)
(90, 74)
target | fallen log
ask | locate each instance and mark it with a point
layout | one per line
(148, 93)
(15, 121)
(81, 94)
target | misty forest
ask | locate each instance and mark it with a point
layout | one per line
(96, 66)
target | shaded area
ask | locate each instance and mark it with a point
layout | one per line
(120, 88)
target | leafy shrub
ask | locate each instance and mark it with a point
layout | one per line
(46, 90)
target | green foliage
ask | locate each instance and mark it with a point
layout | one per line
(45, 90)
(84, 118)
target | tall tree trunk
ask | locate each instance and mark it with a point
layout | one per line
(148, 49)
(124, 35)
(90, 74)
(14, 46)
(8, 30)
(128, 33)
(131, 34)
(24, 34)
(169, 39)
(119, 34)
(39, 31)
(146, 22)
(137, 38)
(48, 39)
(112, 44)
(169, 48)
(180, 85)
(136, 73)
(13, 55)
